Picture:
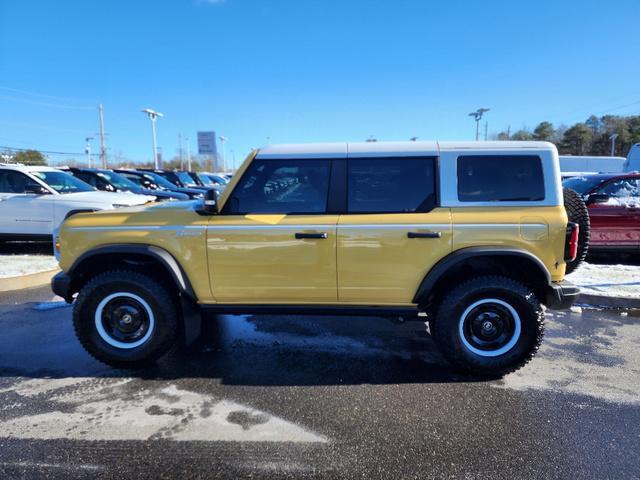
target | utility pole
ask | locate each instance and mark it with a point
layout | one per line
(153, 115)
(188, 154)
(613, 143)
(103, 149)
(486, 129)
(87, 150)
(181, 157)
(223, 140)
(477, 115)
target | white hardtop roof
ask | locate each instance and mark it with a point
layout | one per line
(387, 149)
(28, 168)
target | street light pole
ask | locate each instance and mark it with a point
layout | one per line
(87, 150)
(153, 115)
(613, 143)
(477, 115)
(188, 154)
(223, 140)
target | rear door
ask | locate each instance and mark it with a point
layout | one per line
(393, 231)
(274, 241)
(616, 223)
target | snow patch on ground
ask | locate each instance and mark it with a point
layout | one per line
(609, 280)
(19, 265)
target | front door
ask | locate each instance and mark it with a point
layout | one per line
(392, 232)
(274, 242)
(22, 211)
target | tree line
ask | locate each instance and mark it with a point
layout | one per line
(591, 137)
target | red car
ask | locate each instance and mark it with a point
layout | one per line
(613, 200)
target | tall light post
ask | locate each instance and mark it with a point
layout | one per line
(188, 154)
(613, 143)
(477, 115)
(87, 150)
(223, 140)
(153, 115)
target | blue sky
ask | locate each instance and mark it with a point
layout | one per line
(306, 70)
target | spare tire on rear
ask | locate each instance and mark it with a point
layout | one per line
(577, 213)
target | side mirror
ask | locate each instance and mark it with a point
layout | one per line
(210, 202)
(597, 198)
(35, 189)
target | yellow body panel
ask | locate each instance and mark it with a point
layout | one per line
(537, 230)
(173, 226)
(379, 264)
(257, 259)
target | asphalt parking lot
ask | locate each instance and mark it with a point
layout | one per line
(318, 398)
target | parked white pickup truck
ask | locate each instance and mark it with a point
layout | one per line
(35, 200)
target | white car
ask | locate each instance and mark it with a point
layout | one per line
(35, 200)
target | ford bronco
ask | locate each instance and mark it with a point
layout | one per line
(472, 238)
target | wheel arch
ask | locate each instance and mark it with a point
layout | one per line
(511, 262)
(85, 265)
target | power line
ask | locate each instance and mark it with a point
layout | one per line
(41, 151)
(45, 104)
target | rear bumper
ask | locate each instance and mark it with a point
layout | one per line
(61, 286)
(561, 295)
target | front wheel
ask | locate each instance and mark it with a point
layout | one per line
(125, 319)
(489, 326)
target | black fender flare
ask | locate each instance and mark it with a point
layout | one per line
(79, 210)
(463, 254)
(191, 315)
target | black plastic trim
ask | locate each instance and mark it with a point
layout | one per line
(61, 286)
(561, 295)
(359, 310)
(441, 268)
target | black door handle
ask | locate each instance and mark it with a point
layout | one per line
(300, 235)
(424, 234)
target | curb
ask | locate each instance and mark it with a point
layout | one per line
(32, 280)
(609, 302)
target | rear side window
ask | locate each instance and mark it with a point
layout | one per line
(391, 185)
(282, 186)
(500, 178)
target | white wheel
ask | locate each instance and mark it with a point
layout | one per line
(489, 327)
(124, 320)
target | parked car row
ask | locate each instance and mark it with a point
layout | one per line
(35, 200)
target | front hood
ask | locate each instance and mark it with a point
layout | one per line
(108, 198)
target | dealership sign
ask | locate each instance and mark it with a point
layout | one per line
(207, 143)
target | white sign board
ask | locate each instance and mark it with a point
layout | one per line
(207, 143)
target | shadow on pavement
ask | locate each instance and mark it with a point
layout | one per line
(26, 248)
(246, 350)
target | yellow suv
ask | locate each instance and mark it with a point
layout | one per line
(474, 235)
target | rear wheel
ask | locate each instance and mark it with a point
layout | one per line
(578, 213)
(125, 319)
(489, 326)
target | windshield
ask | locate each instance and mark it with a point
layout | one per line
(205, 179)
(583, 184)
(117, 180)
(63, 182)
(185, 178)
(159, 180)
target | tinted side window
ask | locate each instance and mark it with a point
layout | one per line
(86, 177)
(500, 178)
(282, 186)
(13, 182)
(391, 185)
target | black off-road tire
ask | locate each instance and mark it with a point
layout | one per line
(578, 213)
(154, 294)
(445, 325)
